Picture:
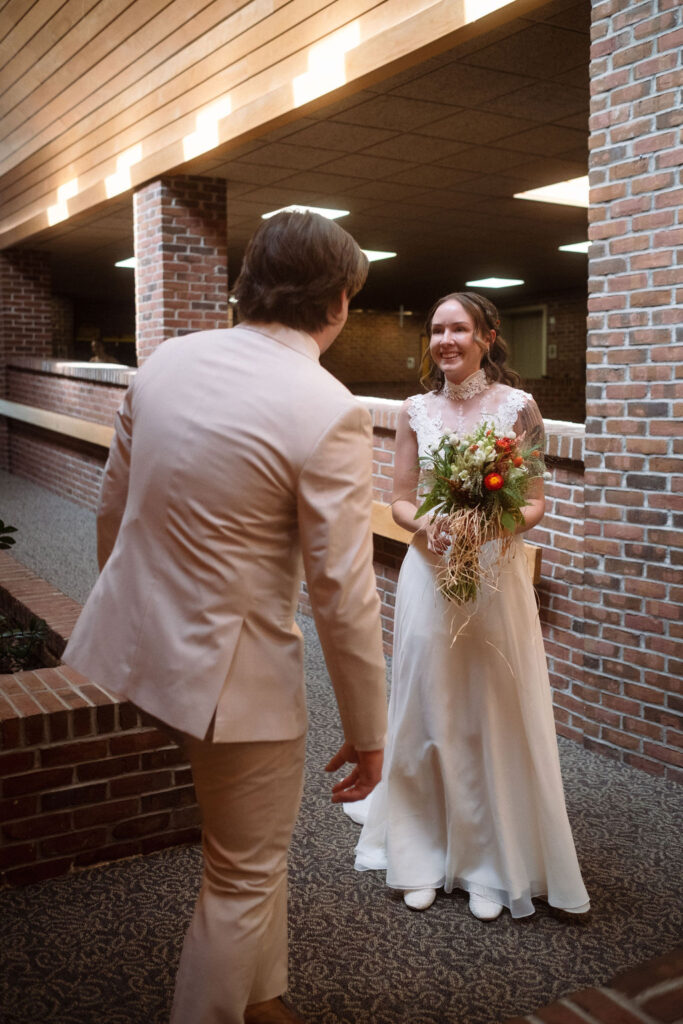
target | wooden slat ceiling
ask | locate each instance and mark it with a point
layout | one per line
(427, 161)
(84, 83)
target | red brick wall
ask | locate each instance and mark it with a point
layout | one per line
(561, 393)
(83, 779)
(376, 347)
(181, 274)
(83, 776)
(49, 389)
(65, 465)
(560, 590)
(372, 353)
(25, 315)
(633, 480)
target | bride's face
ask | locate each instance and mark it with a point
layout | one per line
(452, 343)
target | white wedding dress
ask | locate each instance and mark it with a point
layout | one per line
(471, 795)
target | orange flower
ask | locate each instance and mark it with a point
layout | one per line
(493, 481)
(504, 444)
(518, 461)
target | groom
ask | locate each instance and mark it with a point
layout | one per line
(235, 455)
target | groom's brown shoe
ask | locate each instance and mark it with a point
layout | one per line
(273, 1011)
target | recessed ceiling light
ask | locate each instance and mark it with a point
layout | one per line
(494, 282)
(322, 210)
(377, 254)
(573, 192)
(575, 247)
(130, 263)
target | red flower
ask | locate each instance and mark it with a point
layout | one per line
(517, 461)
(504, 444)
(493, 481)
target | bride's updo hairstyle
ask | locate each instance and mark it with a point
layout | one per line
(294, 270)
(486, 319)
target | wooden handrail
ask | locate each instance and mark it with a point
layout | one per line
(383, 525)
(60, 423)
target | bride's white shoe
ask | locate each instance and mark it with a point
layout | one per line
(419, 899)
(485, 910)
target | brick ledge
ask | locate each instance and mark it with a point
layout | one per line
(84, 776)
(648, 994)
(99, 373)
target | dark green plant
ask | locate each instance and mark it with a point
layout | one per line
(5, 540)
(22, 647)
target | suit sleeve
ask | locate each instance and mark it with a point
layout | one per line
(114, 490)
(334, 509)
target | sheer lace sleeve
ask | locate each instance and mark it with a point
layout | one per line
(530, 423)
(428, 429)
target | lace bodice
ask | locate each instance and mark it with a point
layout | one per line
(498, 404)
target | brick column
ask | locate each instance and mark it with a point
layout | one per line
(633, 482)
(181, 275)
(25, 315)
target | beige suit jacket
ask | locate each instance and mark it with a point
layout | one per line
(235, 454)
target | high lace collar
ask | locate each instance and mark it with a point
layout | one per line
(473, 385)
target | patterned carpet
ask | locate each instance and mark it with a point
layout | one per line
(101, 947)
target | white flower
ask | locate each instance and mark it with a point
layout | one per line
(547, 475)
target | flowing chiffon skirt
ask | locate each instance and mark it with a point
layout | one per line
(471, 796)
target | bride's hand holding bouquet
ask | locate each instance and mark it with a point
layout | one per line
(475, 488)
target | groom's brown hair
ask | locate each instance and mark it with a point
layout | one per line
(295, 268)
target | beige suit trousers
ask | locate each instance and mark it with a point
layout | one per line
(235, 951)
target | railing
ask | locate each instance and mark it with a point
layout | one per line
(383, 524)
(59, 423)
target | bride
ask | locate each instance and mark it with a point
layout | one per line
(471, 794)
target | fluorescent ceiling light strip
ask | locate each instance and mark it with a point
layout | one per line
(494, 282)
(575, 247)
(129, 263)
(60, 210)
(205, 135)
(326, 65)
(120, 181)
(295, 208)
(572, 192)
(377, 254)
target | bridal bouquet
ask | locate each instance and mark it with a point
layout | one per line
(478, 484)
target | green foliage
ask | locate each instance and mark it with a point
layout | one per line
(457, 469)
(22, 648)
(5, 540)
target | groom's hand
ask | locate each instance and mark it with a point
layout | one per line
(363, 778)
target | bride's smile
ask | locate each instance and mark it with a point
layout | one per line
(453, 345)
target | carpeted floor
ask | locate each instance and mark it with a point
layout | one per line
(55, 538)
(101, 946)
